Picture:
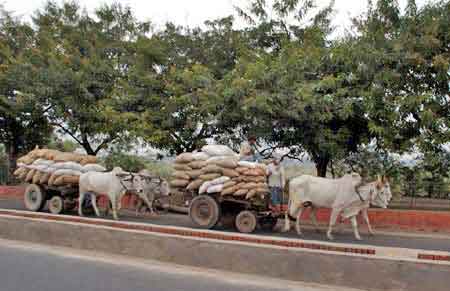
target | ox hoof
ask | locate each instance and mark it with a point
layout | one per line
(371, 233)
(358, 238)
(330, 237)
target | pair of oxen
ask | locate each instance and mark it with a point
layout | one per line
(347, 196)
(116, 184)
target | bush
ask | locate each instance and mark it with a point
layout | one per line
(127, 162)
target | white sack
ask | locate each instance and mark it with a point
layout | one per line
(219, 180)
(218, 150)
(215, 188)
(204, 187)
(68, 172)
(200, 156)
(93, 168)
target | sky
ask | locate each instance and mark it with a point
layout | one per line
(192, 12)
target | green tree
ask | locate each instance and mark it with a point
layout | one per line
(22, 121)
(83, 61)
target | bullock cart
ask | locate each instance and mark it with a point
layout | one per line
(208, 210)
(58, 198)
(52, 176)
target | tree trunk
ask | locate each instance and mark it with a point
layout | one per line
(12, 152)
(321, 166)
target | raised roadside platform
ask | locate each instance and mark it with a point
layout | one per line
(357, 266)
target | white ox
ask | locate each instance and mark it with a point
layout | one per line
(114, 184)
(346, 196)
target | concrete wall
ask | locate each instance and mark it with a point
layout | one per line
(357, 271)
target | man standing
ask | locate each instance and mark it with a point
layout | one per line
(249, 151)
(277, 180)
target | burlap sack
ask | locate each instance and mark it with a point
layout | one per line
(18, 171)
(179, 183)
(59, 181)
(194, 185)
(194, 174)
(44, 178)
(240, 185)
(262, 190)
(238, 179)
(230, 173)
(68, 157)
(208, 177)
(197, 164)
(200, 156)
(226, 163)
(249, 186)
(52, 179)
(180, 175)
(262, 185)
(211, 169)
(228, 191)
(88, 159)
(229, 184)
(70, 179)
(250, 194)
(242, 170)
(30, 175)
(255, 179)
(184, 158)
(182, 167)
(27, 160)
(51, 154)
(37, 177)
(255, 172)
(22, 176)
(240, 192)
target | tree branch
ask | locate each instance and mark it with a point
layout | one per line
(68, 132)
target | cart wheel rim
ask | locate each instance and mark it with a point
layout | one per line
(204, 212)
(56, 205)
(246, 222)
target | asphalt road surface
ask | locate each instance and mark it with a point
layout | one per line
(343, 235)
(34, 267)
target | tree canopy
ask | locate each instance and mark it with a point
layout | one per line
(107, 78)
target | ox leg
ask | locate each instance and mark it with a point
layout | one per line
(333, 217)
(366, 219)
(355, 227)
(80, 203)
(138, 206)
(297, 221)
(94, 204)
(114, 206)
(313, 218)
(287, 222)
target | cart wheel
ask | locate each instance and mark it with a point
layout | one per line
(56, 205)
(34, 197)
(204, 211)
(246, 221)
(268, 222)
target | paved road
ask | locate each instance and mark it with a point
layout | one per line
(414, 241)
(39, 268)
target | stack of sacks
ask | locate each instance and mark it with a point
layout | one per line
(54, 168)
(217, 169)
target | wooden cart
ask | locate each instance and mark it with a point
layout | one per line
(207, 210)
(58, 198)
